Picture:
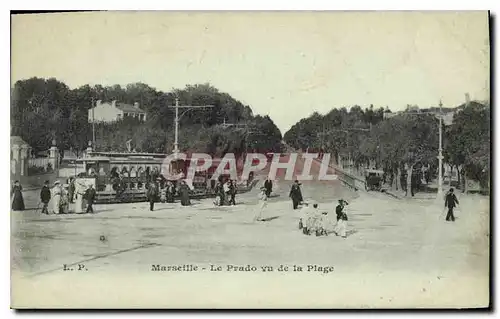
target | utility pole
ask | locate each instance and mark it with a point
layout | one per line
(440, 156)
(177, 119)
(93, 123)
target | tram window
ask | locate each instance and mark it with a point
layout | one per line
(114, 172)
(139, 185)
(124, 171)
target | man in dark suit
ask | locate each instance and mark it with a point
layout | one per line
(296, 194)
(451, 201)
(152, 195)
(268, 185)
(45, 197)
(90, 197)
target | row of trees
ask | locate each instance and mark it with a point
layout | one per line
(47, 109)
(400, 143)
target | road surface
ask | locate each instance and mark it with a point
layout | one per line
(399, 252)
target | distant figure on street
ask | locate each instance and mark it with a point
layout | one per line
(450, 201)
(341, 227)
(232, 192)
(311, 219)
(268, 185)
(90, 197)
(262, 205)
(219, 193)
(45, 197)
(163, 194)
(227, 192)
(64, 203)
(17, 200)
(184, 192)
(296, 194)
(56, 198)
(71, 190)
(170, 192)
(152, 195)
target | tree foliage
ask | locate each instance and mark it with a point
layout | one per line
(46, 109)
(468, 141)
(399, 141)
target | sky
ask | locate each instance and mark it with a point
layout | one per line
(283, 64)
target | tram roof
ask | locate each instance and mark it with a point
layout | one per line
(126, 154)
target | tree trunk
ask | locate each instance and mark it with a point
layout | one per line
(466, 186)
(459, 185)
(451, 174)
(398, 178)
(408, 180)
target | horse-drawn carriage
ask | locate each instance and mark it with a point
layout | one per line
(374, 179)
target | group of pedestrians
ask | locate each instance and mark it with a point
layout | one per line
(225, 193)
(57, 200)
(314, 220)
(167, 193)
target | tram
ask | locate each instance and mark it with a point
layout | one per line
(122, 177)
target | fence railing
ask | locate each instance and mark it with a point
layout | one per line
(348, 179)
(40, 165)
(38, 162)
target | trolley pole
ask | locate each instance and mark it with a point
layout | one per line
(93, 122)
(178, 117)
(176, 123)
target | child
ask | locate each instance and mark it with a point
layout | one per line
(262, 204)
(163, 194)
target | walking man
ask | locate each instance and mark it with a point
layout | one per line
(268, 185)
(296, 194)
(45, 197)
(451, 201)
(232, 192)
(90, 196)
(152, 195)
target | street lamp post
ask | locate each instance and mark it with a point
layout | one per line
(440, 156)
(177, 118)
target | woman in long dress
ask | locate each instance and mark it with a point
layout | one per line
(64, 204)
(262, 205)
(17, 200)
(184, 191)
(170, 192)
(55, 201)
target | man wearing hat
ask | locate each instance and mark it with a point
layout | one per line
(45, 197)
(341, 226)
(152, 194)
(90, 197)
(450, 201)
(296, 194)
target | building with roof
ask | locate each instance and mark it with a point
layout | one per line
(115, 111)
